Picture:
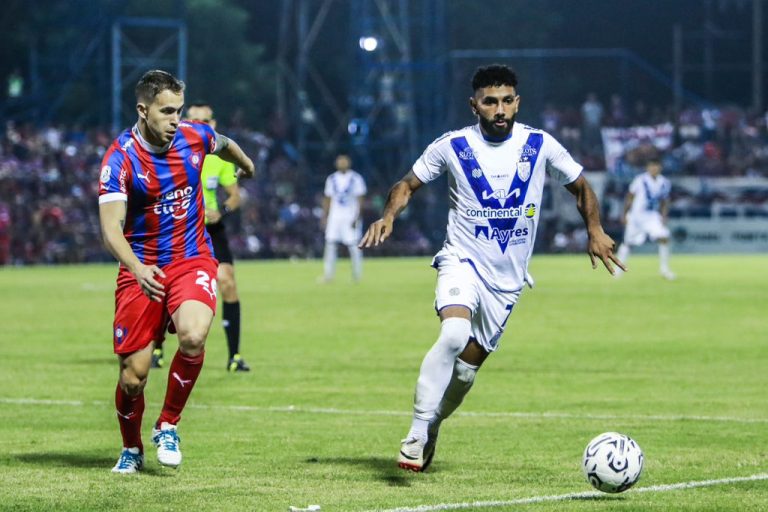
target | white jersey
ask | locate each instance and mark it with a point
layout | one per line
(649, 193)
(344, 190)
(495, 196)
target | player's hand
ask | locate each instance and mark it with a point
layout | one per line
(246, 172)
(145, 275)
(601, 247)
(212, 216)
(377, 233)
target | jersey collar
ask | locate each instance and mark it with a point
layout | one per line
(493, 140)
(146, 145)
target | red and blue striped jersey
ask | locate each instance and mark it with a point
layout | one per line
(165, 216)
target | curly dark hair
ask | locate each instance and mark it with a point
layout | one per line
(493, 76)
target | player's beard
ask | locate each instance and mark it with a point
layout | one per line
(495, 132)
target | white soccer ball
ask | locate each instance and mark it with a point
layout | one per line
(612, 462)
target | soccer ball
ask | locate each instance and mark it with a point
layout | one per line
(613, 462)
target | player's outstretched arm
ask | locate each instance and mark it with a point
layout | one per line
(600, 245)
(231, 151)
(112, 219)
(397, 200)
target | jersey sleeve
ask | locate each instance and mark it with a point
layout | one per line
(636, 187)
(113, 178)
(560, 164)
(433, 162)
(328, 192)
(360, 188)
(208, 136)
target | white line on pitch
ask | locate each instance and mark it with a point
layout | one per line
(575, 496)
(363, 412)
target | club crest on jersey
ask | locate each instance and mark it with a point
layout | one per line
(105, 172)
(195, 159)
(524, 170)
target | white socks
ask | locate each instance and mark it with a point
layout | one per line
(461, 382)
(356, 255)
(331, 255)
(329, 260)
(664, 258)
(436, 372)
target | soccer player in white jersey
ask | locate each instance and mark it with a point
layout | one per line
(342, 204)
(496, 170)
(645, 214)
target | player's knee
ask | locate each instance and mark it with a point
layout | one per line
(454, 333)
(192, 341)
(131, 383)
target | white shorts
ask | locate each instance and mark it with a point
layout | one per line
(343, 231)
(458, 284)
(641, 228)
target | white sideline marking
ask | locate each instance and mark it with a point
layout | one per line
(361, 412)
(576, 495)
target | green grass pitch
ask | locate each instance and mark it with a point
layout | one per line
(680, 366)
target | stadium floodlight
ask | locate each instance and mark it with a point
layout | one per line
(369, 43)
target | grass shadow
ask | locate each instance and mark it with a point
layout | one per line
(81, 460)
(385, 469)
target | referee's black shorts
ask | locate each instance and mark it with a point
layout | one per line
(218, 235)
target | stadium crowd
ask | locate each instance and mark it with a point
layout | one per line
(48, 183)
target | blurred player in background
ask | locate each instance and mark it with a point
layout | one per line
(218, 172)
(645, 214)
(342, 205)
(497, 169)
(152, 220)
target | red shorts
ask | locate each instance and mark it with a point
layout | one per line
(140, 321)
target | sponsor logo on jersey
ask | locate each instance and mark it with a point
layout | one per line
(105, 172)
(529, 150)
(506, 236)
(501, 194)
(524, 170)
(123, 177)
(174, 203)
(495, 213)
(144, 177)
(467, 154)
(530, 210)
(477, 172)
(128, 144)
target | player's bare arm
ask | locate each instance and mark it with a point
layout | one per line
(600, 245)
(326, 210)
(664, 210)
(229, 150)
(397, 200)
(112, 219)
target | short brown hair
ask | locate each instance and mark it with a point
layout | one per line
(154, 82)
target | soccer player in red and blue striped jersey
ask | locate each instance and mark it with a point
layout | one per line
(153, 221)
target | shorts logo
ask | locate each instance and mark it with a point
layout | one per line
(206, 283)
(454, 292)
(524, 170)
(120, 334)
(105, 172)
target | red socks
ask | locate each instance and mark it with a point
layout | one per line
(130, 410)
(181, 379)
